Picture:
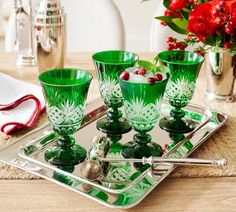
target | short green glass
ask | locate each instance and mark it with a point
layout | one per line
(109, 65)
(142, 104)
(65, 91)
(184, 68)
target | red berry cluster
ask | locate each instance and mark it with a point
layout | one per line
(150, 80)
(140, 71)
(125, 75)
(158, 77)
(174, 44)
(225, 19)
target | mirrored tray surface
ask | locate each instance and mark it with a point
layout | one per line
(122, 186)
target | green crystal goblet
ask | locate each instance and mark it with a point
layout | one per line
(142, 104)
(65, 91)
(184, 68)
(109, 65)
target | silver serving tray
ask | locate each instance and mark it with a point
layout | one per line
(129, 190)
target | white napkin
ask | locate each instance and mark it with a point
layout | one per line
(21, 103)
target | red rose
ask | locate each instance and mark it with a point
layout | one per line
(177, 4)
(201, 22)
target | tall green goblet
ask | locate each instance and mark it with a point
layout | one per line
(142, 103)
(184, 68)
(65, 91)
(109, 64)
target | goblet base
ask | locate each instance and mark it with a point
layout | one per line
(135, 150)
(69, 169)
(117, 126)
(172, 125)
(65, 157)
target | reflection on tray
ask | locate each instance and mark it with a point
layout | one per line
(117, 177)
(133, 186)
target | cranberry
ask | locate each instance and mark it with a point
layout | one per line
(228, 45)
(158, 77)
(219, 8)
(182, 46)
(200, 52)
(191, 2)
(142, 71)
(135, 71)
(170, 46)
(229, 29)
(233, 39)
(221, 3)
(151, 80)
(218, 20)
(216, 11)
(218, 32)
(125, 75)
(170, 40)
(176, 45)
(163, 23)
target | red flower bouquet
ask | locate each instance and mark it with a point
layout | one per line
(213, 23)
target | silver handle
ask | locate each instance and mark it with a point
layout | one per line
(175, 161)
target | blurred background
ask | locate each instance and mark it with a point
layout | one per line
(102, 24)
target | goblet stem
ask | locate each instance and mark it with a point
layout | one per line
(114, 138)
(66, 142)
(114, 113)
(142, 138)
(114, 123)
(177, 113)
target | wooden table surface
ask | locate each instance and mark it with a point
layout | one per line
(173, 194)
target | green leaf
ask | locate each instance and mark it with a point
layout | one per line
(186, 10)
(162, 69)
(184, 14)
(169, 21)
(177, 29)
(145, 64)
(155, 60)
(181, 23)
(166, 3)
(165, 18)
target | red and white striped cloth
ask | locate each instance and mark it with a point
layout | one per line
(21, 103)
